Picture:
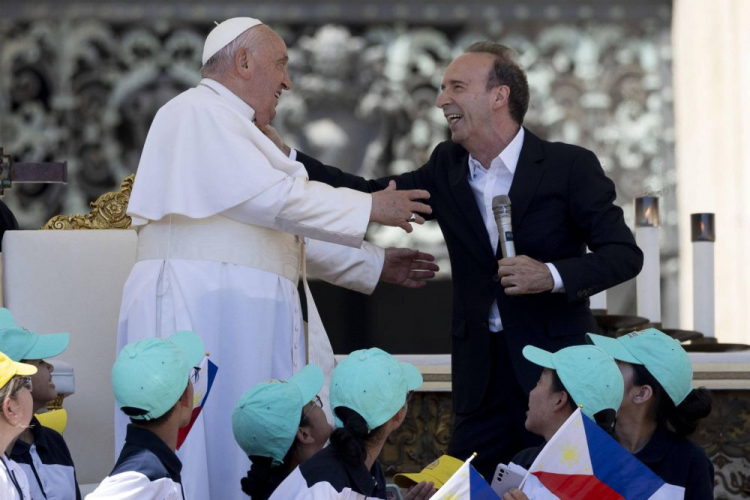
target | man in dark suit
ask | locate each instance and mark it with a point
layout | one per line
(561, 203)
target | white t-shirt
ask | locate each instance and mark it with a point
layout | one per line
(13, 482)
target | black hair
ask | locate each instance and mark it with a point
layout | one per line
(154, 422)
(683, 418)
(604, 418)
(263, 477)
(506, 71)
(350, 441)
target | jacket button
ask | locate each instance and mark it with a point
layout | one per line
(484, 325)
(496, 278)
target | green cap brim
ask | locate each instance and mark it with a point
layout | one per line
(538, 356)
(48, 345)
(613, 347)
(309, 380)
(413, 376)
(191, 346)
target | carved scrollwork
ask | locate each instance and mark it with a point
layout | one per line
(422, 437)
(725, 435)
(108, 212)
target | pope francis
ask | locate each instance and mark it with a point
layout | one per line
(228, 226)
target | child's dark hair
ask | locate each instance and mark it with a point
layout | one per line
(350, 441)
(683, 418)
(605, 418)
(263, 477)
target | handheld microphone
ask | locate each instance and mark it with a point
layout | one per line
(501, 211)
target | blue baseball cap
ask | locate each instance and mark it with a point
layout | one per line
(589, 375)
(663, 357)
(374, 384)
(19, 343)
(266, 418)
(149, 376)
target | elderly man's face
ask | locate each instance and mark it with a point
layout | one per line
(269, 77)
(464, 98)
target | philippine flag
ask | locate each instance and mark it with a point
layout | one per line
(206, 376)
(582, 461)
(466, 484)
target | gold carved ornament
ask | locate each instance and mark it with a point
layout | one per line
(108, 212)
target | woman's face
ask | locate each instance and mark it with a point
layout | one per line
(631, 390)
(317, 424)
(19, 408)
(43, 389)
(26, 403)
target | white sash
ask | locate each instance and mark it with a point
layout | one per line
(221, 239)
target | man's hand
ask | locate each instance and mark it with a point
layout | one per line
(421, 491)
(515, 494)
(272, 134)
(394, 208)
(523, 275)
(408, 268)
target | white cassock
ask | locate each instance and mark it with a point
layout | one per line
(222, 214)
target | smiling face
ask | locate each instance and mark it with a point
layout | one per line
(318, 426)
(265, 66)
(466, 101)
(543, 402)
(43, 390)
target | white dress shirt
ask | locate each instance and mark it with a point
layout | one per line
(486, 183)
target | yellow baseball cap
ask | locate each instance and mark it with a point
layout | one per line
(438, 473)
(10, 368)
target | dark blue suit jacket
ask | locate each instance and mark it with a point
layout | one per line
(561, 203)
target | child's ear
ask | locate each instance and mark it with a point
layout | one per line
(304, 437)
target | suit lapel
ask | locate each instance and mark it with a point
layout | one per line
(464, 197)
(528, 173)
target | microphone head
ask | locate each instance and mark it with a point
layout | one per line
(501, 200)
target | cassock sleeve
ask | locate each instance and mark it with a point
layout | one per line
(357, 269)
(202, 158)
(310, 209)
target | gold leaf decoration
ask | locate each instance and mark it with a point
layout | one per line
(108, 212)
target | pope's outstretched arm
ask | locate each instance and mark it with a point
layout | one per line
(203, 158)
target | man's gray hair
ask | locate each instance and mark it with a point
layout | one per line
(222, 61)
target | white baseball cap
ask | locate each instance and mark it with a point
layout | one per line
(225, 33)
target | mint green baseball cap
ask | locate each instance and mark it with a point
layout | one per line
(150, 375)
(589, 375)
(19, 343)
(374, 384)
(266, 418)
(663, 357)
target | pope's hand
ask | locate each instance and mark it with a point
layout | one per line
(272, 134)
(395, 208)
(408, 268)
(421, 491)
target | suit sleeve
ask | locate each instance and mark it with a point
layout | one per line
(333, 176)
(614, 256)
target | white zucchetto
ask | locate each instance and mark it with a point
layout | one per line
(225, 33)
